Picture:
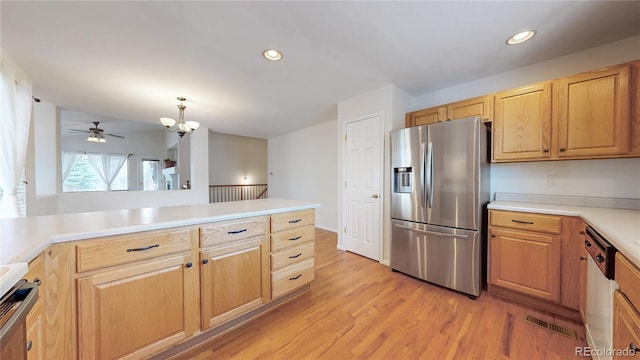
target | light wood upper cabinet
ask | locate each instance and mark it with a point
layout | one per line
(479, 106)
(592, 113)
(522, 123)
(426, 116)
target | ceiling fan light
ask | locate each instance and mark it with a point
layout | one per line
(167, 122)
(193, 125)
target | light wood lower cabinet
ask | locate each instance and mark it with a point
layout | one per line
(626, 327)
(535, 259)
(35, 319)
(292, 251)
(526, 262)
(233, 280)
(136, 311)
(626, 308)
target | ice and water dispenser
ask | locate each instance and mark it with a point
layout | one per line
(402, 180)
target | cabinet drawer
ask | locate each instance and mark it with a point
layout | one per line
(293, 219)
(293, 237)
(628, 277)
(292, 277)
(225, 231)
(526, 221)
(35, 274)
(127, 248)
(292, 255)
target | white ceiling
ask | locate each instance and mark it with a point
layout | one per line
(130, 60)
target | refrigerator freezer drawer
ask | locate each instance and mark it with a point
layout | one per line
(444, 256)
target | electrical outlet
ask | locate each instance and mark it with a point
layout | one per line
(553, 180)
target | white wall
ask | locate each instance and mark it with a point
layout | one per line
(390, 103)
(302, 165)
(233, 157)
(604, 178)
(608, 178)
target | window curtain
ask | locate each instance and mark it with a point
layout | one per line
(107, 166)
(15, 115)
(69, 160)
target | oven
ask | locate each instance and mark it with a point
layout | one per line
(600, 288)
(14, 307)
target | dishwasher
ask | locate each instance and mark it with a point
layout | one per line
(600, 289)
(14, 307)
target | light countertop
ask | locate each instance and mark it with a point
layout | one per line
(620, 227)
(22, 239)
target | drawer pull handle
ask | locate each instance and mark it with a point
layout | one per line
(295, 277)
(295, 256)
(37, 281)
(294, 221)
(587, 243)
(522, 222)
(236, 231)
(144, 248)
(295, 238)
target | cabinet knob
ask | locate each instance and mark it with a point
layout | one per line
(562, 149)
(189, 264)
(205, 261)
(545, 150)
(587, 243)
(582, 232)
(582, 258)
(493, 235)
(37, 281)
(634, 348)
(30, 345)
(599, 258)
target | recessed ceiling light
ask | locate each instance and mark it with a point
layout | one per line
(272, 55)
(521, 37)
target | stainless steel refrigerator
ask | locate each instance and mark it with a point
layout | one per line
(440, 180)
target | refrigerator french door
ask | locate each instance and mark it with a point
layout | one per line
(440, 187)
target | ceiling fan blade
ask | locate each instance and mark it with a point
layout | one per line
(114, 135)
(84, 131)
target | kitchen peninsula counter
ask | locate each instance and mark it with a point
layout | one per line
(621, 227)
(22, 239)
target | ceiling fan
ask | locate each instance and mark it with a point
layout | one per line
(96, 134)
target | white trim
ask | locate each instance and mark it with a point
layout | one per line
(382, 192)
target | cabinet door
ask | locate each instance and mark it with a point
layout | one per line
(626, 327)
(232, 280)
(426, 116)
(526, 262)
(593, 113)
(480, 106)
(571, 268)
(521, 127)
(136, 311)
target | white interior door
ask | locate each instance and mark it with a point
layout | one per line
(363, 199)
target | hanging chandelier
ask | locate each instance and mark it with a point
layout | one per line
(181, 127)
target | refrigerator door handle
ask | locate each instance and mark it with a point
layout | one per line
(433, 232)
(430, 175)
(423, 150)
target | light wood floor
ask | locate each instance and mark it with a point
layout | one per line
(359, 309)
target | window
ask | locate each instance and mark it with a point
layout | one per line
(94, 172)
(151, 179)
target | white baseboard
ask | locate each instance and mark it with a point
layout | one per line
(385, 262)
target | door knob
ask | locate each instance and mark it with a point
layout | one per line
(375, 196)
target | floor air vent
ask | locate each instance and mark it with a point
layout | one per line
(553, 327)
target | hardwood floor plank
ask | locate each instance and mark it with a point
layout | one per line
(360, 309)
